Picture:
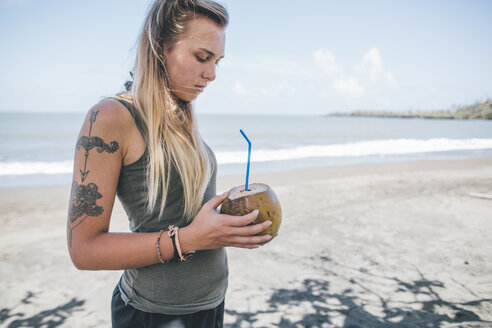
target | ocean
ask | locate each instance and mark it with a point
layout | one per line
(37, 149)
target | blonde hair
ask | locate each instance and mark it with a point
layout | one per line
(172, 136)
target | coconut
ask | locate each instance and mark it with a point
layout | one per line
(258, 196)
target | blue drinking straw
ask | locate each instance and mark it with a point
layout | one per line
(249, 157)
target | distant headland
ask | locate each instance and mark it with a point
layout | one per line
(479, 111)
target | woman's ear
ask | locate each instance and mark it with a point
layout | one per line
(162, 57)
(165, 51)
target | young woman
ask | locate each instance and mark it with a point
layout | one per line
(144, 147)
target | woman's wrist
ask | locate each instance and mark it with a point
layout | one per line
(165, 247)
(187, 240)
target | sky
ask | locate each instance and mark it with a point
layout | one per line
(308, 57)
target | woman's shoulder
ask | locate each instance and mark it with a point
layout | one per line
(110, 119)
(111, 114)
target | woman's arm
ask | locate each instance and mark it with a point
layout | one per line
(100, 152)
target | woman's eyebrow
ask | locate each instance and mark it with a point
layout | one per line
(210, 53)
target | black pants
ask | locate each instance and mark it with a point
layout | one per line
(123, 316)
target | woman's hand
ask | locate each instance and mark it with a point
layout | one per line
(210, 230)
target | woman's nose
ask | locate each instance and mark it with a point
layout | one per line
(209, 73)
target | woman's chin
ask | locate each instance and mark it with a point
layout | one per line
(186, 97)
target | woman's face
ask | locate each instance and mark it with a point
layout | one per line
(191, 62)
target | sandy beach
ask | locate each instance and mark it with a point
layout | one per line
(382, 245)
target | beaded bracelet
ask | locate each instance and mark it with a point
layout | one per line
(159, 256)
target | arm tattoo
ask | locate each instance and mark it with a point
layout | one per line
(90, 142)
(83, 204)
(83, 198)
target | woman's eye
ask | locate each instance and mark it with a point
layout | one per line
(200, 59)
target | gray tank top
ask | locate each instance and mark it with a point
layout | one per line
(172, 288)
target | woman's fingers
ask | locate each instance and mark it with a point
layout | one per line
(249, 241)
(253, 246)
(239, 221)
(250, 230)
(214, 202)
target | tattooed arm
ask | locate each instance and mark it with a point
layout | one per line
(108, 140)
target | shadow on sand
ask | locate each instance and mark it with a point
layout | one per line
(46, 319)
(349, 308)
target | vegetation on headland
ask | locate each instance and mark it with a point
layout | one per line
(479, 110)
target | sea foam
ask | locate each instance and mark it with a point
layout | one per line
(35, 167)
(361, 148)
(350, 149)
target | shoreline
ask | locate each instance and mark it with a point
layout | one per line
(409, 116)
(326, 171)
(366, 245)
(479, 110)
